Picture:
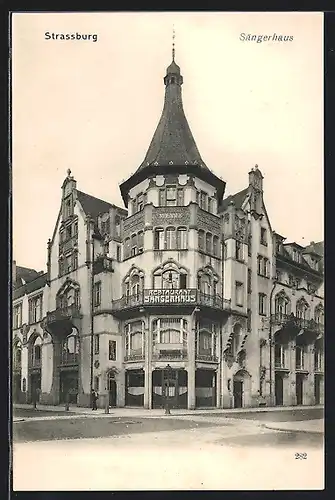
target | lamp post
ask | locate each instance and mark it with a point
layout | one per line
(167, 376)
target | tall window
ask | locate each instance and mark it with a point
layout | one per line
(299, 357)
(96, 343)
(182, 238)
(133, 245)
(112, 350)
(134, 284)
(216, 246)
(134, 338)
(201, 239)
(249, 244)
(117, 226)
(96, 383)
(262, 304)
(140, 202)
(203, 200)
(170, 238)
(140, 237)
(36, 352)
(302, 309)
(208, 243)
(206, 338)
(118, 253)
(263, 236)
(105, 226)
(238, 250)
(35, 309)
(70, 296)
(207, 282)
(68, 208)
(282, 304)
(159, 239)
(317, 358)
(239, 293)
(17, 316)
(169, 331)
(97, 294)
(280, 356)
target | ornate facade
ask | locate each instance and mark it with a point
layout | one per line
(182, 277)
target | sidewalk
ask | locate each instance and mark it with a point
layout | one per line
(310, 426)
(76, 411)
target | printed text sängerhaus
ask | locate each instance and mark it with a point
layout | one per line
(248, 37)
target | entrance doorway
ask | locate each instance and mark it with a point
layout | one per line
(238, 393)
(134, 388)
(35, 384)
(279, 389)
(299, 388)
(111, 390)
(68, 387)
(176, 390)
(205, 388)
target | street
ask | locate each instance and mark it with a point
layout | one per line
(182, 451)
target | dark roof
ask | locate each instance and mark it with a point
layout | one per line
(172, 147)
(94, 206)
(237, 198)
(30, 287)
(26, 273)
(316, 248)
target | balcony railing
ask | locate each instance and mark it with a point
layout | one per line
(206, 357)
(134, 356)
(301, 323)
(69, 358)
(62, 313)
(189, 296)
(176, 355)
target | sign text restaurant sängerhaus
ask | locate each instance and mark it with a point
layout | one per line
(170, 296)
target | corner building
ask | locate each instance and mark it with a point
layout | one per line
(183, 277)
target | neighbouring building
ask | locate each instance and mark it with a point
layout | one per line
(183, 278)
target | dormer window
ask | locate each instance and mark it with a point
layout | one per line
(140, 202)
(171, 196)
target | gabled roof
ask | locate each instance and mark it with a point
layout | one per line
(26, 273)
(316, 248)
(237, 198)
(94, 206)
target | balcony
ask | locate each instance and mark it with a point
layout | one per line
(170, 355)
(207, 357)
(69, 358)
(171, 297)
(61, 319)
(134, 356)
(286, 320)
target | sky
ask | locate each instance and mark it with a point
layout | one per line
(94, 106)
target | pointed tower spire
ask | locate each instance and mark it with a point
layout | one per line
(173, 147)
(173, 43)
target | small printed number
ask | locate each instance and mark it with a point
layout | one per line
(300, 456)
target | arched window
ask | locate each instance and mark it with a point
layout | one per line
(206, 339)
(69, 296)
(169, 331)
(201, 239)
(170, 276)
(182, 238)
(17, 356)
(302, 309)
(170, 238)
(134, 340)
(209, 243)
(36, 352)
(70, 349)
(282, 304)
(117, 226)
(133, 285)
(208, 282)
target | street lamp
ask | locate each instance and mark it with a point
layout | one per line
(167, 377)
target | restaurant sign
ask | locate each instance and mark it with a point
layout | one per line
(170, 296)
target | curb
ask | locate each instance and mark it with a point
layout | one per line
(300, 431)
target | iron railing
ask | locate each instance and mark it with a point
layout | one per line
(176, 355)
(62, 313)
(207, 357)
(69, 358)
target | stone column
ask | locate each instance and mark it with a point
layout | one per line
(191, 365)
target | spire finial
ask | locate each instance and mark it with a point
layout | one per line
(173, 44)
(68, 172)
